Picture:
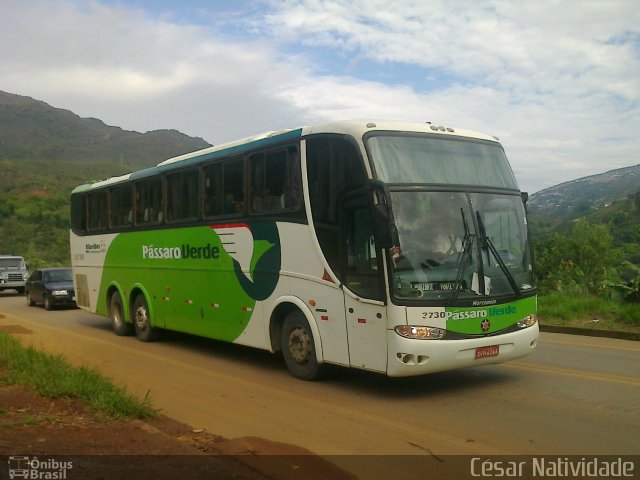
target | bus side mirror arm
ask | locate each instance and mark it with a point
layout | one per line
(382, 222)
(382, 227)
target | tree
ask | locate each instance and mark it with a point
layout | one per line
(579, 263)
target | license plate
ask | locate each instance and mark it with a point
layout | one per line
(486, 352)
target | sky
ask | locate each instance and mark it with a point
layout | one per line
(557, 81)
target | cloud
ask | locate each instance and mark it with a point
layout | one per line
(552, 82)
(558, 85)
(136, 71)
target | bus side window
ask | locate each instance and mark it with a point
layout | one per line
(121, 207)
(268, 172)
(183, 196)
(97, 210)
(79, 212)
(234, 187)
(213, 190)
(276, 181)
(334, 168)
(361, 263)
(292, 196)
(149, 206)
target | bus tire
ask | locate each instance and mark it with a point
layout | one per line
(298, 347)
(118, 323)
(142, 320)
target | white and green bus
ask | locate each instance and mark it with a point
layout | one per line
(399, 248)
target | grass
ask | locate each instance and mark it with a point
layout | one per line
(51, 376)
(588, 312)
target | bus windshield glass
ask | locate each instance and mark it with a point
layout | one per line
(459, 246)
(427, 159)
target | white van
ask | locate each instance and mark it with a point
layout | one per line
(13, 273)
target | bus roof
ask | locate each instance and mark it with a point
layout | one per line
(355, 128)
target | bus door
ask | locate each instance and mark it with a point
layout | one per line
(363, 286)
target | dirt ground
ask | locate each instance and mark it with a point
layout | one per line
(162, 448)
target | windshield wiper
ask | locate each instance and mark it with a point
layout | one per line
(487, 245)
(463, 258)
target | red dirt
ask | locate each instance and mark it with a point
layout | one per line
(64, 430)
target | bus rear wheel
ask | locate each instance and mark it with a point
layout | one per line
(142, 320)
(298, 347)
(118, 323)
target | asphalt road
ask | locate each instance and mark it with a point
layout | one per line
(573, 396)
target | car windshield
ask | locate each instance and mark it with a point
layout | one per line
(11, 263)
(58, 276)
(459, 245)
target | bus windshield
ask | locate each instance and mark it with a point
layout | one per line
(411, 158)
(459, 245)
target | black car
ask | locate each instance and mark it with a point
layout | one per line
(51, 287)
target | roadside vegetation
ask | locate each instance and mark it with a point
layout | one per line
(34, 207)
(589, 271)
(51, 376)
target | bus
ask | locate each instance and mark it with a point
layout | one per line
(395, 247)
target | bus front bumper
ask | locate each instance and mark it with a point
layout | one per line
(408, 357)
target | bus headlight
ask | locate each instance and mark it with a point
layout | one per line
(528, 321)
(420, 333)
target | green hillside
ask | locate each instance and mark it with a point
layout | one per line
(32, 130)
(45, 152)
(34, 206)
(575, 199)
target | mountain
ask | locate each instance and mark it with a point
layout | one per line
(575, 199)
(33, 130)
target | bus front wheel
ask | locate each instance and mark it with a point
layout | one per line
(142, 320)
(119, 325)
(298, 347)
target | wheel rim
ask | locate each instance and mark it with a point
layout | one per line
(115, 316)
(142, 318)
(300, 345)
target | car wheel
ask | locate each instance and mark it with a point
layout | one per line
(118, 323)
(298, 347)
(47, 303)
(30, 301)
(142, 320)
